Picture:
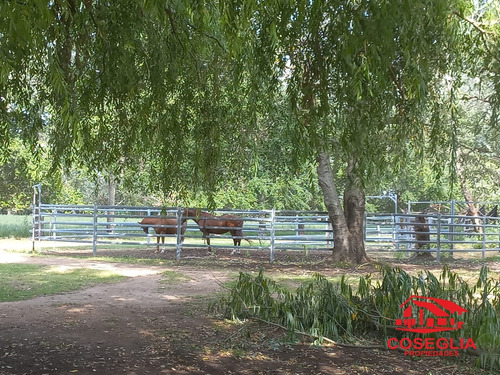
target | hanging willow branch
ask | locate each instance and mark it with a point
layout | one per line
(482, 32)
(333, 313)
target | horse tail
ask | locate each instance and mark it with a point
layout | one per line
(240, 234)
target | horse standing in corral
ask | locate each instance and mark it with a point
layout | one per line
(210, 224)
(162, 226)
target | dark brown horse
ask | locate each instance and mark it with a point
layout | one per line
(162, 226)
(210, 224)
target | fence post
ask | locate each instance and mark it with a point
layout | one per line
(397, 229)
(484, 236)
(329, 233)
(54, 225)
(438, 244)
(271, 242)
(94, 233)
(34, 218)
(451, 236)
(365, 224)
(409, 246)
(179, 233)
(148, 238)
(36, 228)
(297, 231)
(498, 229)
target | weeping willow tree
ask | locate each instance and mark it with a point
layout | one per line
(181, 84)
(110, 83)
(364, 79)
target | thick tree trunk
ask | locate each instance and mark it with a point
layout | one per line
(347, 223)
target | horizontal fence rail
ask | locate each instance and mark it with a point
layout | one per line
(435, 233)
(269, 230)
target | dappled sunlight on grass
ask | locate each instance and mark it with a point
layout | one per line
(169, 277)
(123, 299)
(79, 310)
(25, 281)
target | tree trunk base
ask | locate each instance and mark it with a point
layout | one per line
(347, 222)
(352, 252)
(339, 257)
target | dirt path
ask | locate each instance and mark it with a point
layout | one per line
(107, 325)
(147, 326)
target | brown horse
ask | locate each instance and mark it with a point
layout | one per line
(210, 224)
(162, 226)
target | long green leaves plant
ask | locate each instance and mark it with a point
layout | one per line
(346, 313)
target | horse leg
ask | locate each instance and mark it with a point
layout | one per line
(157, 244)
(236, 242)
(239, 235)
(163, 243)
(207, 237)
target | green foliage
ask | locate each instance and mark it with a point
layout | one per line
(16, 173)
(103, 81)
(176, 98)
(184, 85)
(21, 169)
(263, 193)
(358, 75)
(340, 312)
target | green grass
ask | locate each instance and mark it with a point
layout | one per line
(17, 226)
(25, 281)
(132, 259)
(172, 277)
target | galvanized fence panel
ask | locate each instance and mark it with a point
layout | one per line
(437, 233)
(268, 230)
(117, 225)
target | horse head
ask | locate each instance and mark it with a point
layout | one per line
(144, 227)
(191, 213)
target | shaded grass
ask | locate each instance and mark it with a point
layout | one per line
(291, 282)
(26, 281)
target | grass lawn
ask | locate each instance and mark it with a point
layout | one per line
(17, 226)
(25, 281)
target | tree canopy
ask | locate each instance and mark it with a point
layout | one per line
(99, 81)
(184, 81)
(205, 93)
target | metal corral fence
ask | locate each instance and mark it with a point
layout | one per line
(268, 230)
(435, 233)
